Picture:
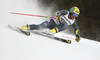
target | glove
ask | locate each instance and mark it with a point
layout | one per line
(77, 38)
(58, 16)
(58, 13)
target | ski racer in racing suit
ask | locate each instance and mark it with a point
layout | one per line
(63, 19)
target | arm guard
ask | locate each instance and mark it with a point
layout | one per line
(62, 12)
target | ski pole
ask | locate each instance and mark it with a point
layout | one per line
(32, 15)
(67, 37)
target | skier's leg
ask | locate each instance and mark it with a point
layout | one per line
(30, 27)
(59, 28)
(47, 24)
(33, 27)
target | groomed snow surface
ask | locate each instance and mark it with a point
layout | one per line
(16, 46)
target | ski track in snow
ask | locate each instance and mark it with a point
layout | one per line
(16, 46)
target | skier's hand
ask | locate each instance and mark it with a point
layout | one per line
(77, 38)
(58, 13)
(58, 16)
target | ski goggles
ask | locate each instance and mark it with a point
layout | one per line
(76, 15)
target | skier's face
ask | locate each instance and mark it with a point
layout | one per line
(72, 17)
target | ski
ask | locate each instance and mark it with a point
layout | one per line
(51, 36)
(39, 33)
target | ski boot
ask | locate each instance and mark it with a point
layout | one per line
(26, 28)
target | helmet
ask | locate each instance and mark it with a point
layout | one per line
(75, 11)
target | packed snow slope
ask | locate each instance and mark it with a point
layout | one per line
(16, 46)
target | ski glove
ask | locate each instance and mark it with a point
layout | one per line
(58, 16)
(58, 13)
(77, 38)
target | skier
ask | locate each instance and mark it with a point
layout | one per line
(63, 19)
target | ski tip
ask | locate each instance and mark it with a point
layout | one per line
(27, 33)
(68, 41)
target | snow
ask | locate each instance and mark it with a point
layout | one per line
(16, 46)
